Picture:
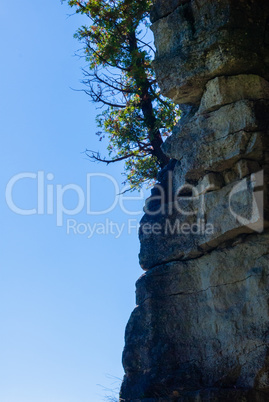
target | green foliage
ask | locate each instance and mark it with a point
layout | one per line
(121, 77)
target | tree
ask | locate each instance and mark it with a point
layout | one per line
(120, 77)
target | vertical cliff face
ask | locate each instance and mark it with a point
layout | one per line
(200, 331)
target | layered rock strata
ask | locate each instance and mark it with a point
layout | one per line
(200, 331)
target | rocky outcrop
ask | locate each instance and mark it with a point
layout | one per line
(203, 39)
(201, 325)
(200, 331)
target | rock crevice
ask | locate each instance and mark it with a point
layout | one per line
(200, 331)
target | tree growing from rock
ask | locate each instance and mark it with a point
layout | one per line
(135, 117)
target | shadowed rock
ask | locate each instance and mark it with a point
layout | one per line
(200, 331)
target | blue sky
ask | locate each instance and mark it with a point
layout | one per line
(64, 298)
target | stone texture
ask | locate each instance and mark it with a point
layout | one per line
(200, 331)
(201, 324)
(225, 90)
(189, 226)
(244, 167)
(161, 9)
(212, 182)
(200, 40)
(217, 140)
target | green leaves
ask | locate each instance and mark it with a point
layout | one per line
(120, 76)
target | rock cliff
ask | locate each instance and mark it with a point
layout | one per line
(200, 331)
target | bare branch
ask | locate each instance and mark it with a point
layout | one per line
(147, 45)
(98, 98)
(96, 156)
(97, 77)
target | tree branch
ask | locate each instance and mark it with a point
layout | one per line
(96, 156)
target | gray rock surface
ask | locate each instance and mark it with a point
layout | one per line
(189, 226)
(200, 326)
(233, 130)
(199, 40)
(226, 90)
(200, 331)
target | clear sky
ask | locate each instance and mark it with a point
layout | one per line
(65, 298)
